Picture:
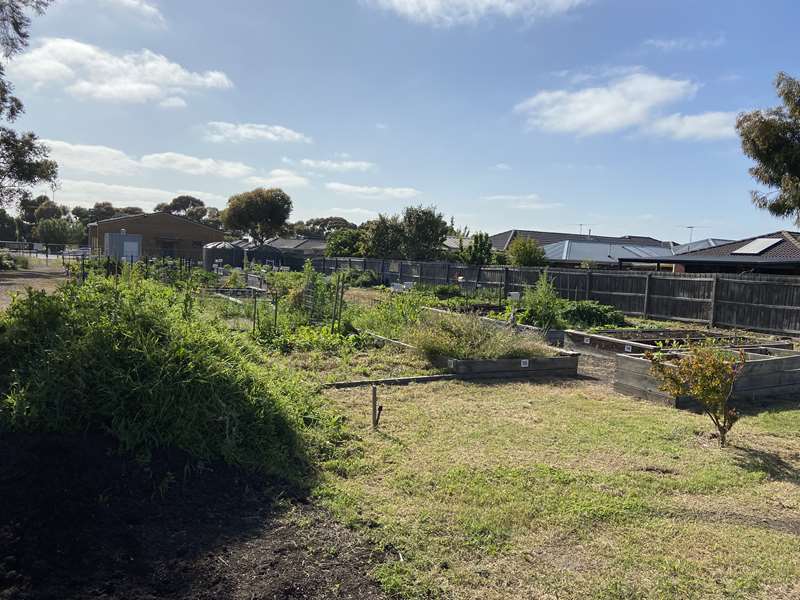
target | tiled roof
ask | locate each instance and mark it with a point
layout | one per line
(145, 216)
(787, 249)
(500, 241)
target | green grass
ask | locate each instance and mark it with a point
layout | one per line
(568, 491)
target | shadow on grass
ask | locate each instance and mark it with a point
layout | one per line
(770, 463)
(757, 407)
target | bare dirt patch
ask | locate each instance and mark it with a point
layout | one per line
(80, 521)
(12, 282)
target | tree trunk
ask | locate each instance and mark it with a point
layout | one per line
(723, 437)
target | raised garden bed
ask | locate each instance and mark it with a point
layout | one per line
(768, 373)
(553, 337)
(563, 365)
(609, 342)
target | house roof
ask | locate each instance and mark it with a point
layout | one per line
(600, 252)
(151, 215)
(785, 250)
(296, 243)
(501, 241)
(699, 245)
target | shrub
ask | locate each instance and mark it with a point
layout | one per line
(308, 338)
(359, 278)
(391, 316)
(542, 305)
(707, 374)
(131, 358)
(7, 262)
(469, 337)
(525, 252)
(589, 313)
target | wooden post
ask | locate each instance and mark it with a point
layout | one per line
(589, 284)
(400, 273)
(374, 407)
(712, 317)
(383, 270)
(505, 283)
(323, 266)
(646, 295)
(255, 310)
(447, 273)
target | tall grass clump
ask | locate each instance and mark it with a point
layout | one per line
(468, 337)
(136, 359)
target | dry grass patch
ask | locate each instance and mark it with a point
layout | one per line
(566, 490)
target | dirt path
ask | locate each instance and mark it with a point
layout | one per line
(43, 278)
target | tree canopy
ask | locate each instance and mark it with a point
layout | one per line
(184, 205)
(24, 161)
(771, 138)
(59, 231)
(525, 252)
(424, 232)
(262, 213)
(345, 242)
(384, 237)
(479, 251)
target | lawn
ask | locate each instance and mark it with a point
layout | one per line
(567, 490)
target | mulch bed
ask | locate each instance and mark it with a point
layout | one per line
(80, 521)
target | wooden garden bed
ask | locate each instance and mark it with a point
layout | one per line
(768, 373)
(610, 342)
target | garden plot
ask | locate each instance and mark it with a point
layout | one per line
(767, 373)
(609, 342)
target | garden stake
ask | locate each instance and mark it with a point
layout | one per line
(255, 308)
(376, 410)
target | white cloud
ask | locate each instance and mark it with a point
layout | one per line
(87, 71)
(355, 213)
(143, 8)
(501, 167)
(381, 126)
(86, 193)
(622, 103)
(207, 197)
(173, 102)
(280, 178)
(373, 191)
(221, 131)
(704, 126)
(446, 13)
(686, 44)
(523, 201)
(194, 165)
(90, 158)
(339, 166)
(110, 161)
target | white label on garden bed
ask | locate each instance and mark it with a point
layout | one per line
(451, 364)
(524, 363)
(628, 348)
(587, 340)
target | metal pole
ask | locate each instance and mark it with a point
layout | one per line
(374, 407)
(255, 310)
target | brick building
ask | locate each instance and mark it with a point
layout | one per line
(162, 234)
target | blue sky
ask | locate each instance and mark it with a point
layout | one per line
(537, 114)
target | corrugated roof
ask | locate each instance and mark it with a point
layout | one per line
(600, 252)
(699, 245)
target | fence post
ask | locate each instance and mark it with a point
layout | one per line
(477, 278)
(505, 282)
(712, 317)
(589, 284)
(323, 265)
(400, 273)
(447, 273)
(383, 270)
(646, 294)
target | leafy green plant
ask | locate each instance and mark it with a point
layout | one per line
(707, 374)
(542, 304)
(469, 337)
(131, 358)
(589, 314)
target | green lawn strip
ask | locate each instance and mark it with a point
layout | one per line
(463, 479)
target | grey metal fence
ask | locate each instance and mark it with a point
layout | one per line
(767, 303)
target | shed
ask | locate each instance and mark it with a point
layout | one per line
(225, 252)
